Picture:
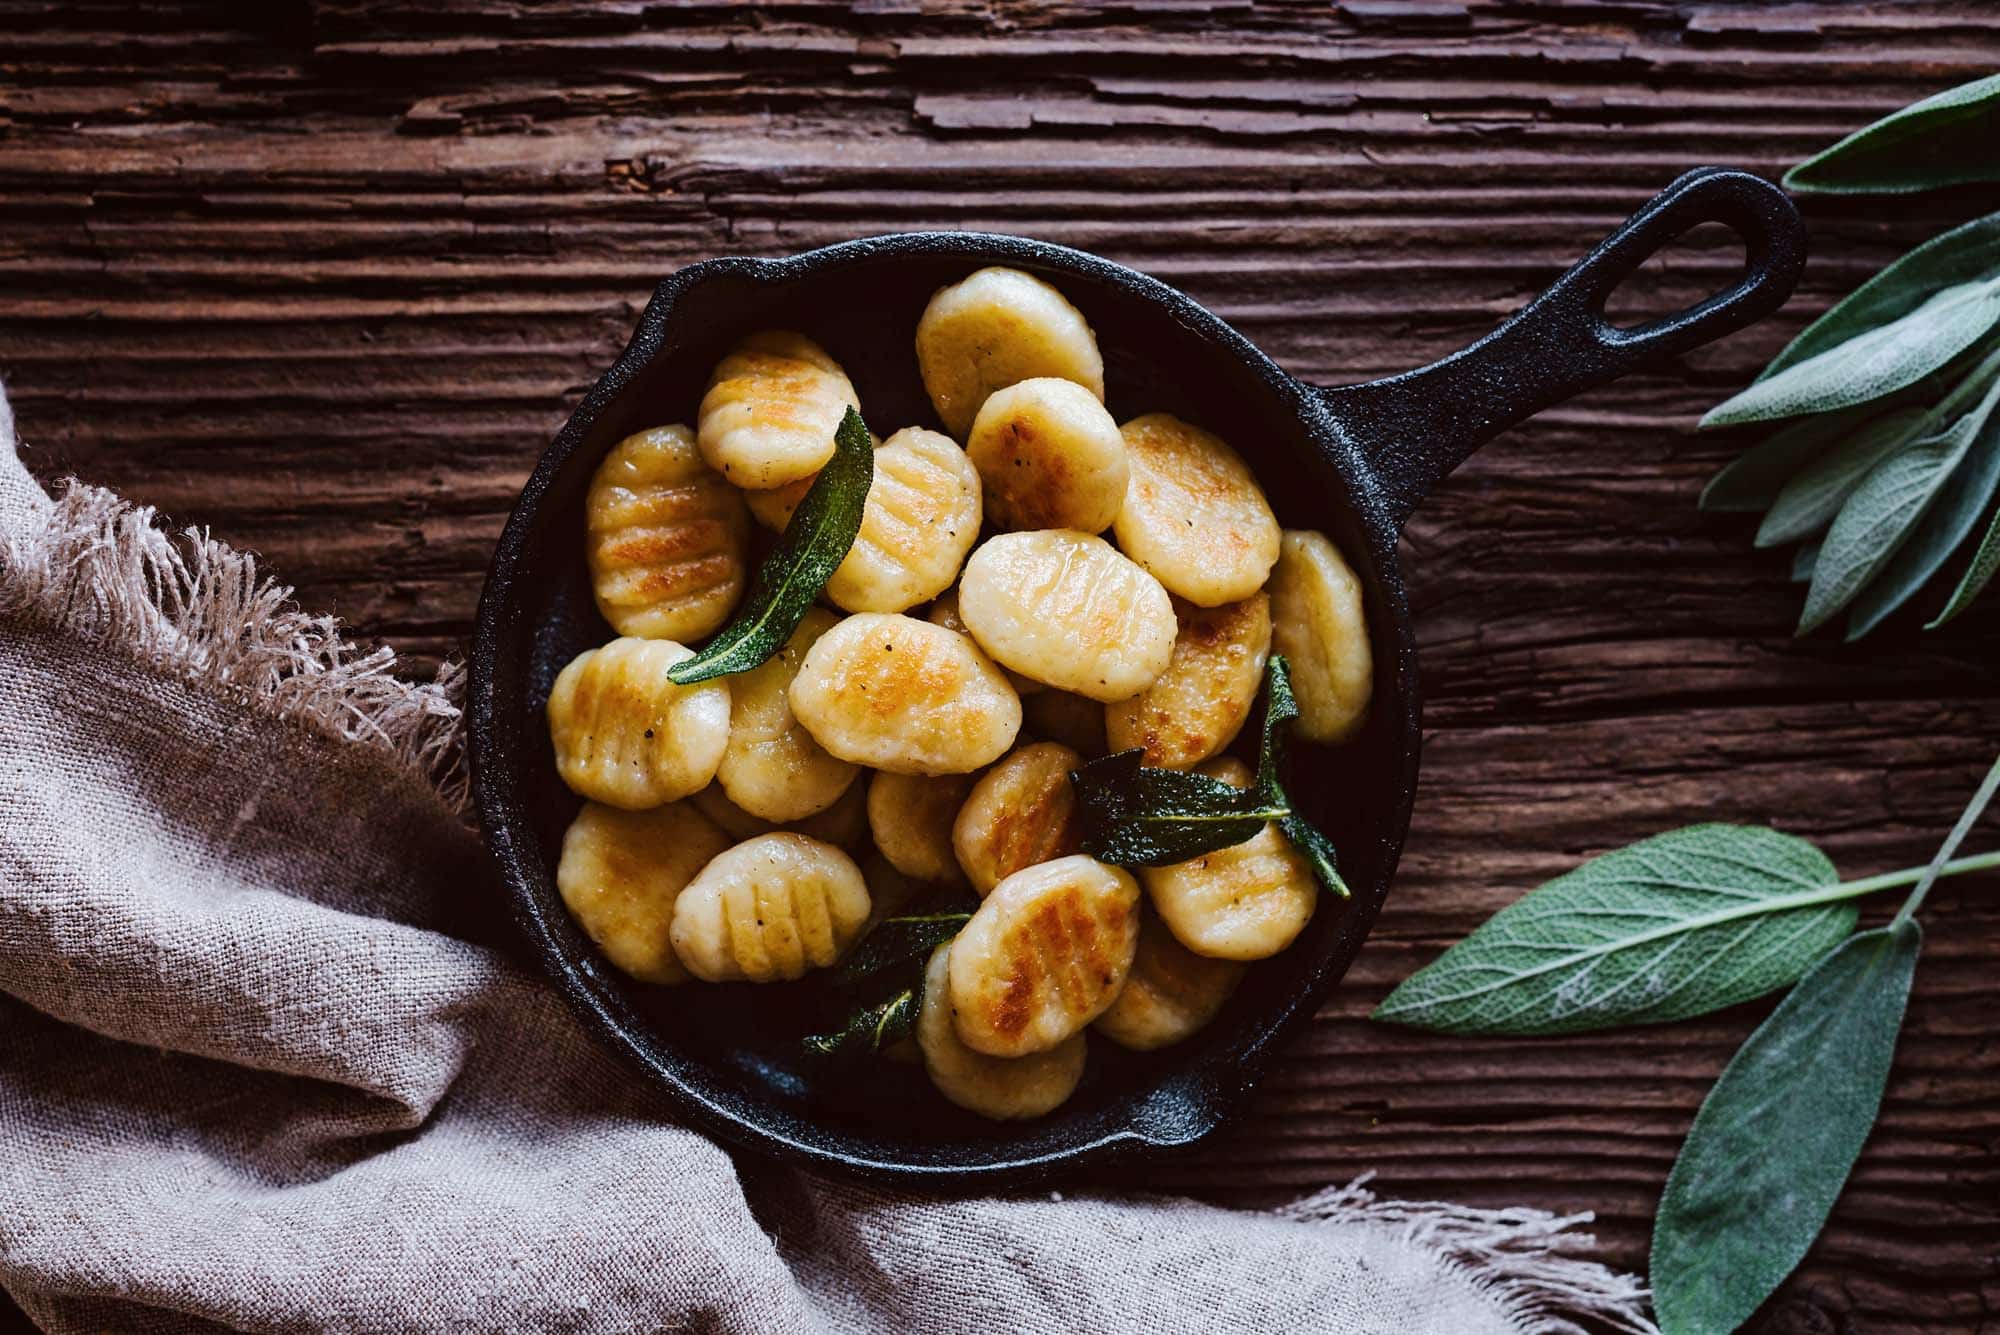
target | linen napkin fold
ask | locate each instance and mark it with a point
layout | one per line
(262, 1067)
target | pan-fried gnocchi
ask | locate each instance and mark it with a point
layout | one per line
(1049, 456)
(771, 408)
(626, 736)
(910, 816)
(770, 909)
(622, 871)
(898, 694)
(1002, 1088)
(844, 824)
(1200, 702)
(1043, 956)
(1318, 625)
(1171, 993)
(996, 328)
(1245, 902)
(1020, 813)
(1066, 609)
(772, 768)
(1194, 515)
(906, 743)
(920, 520)
(665, 537)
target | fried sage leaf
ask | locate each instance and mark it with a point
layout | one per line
(905, 941)
(870, 1028)
(1681, 924)
(814, 543)
(1281, 706)
(1943, 140)
(1776, 1138)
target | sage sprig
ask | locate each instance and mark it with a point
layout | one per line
(1891, 457)
(880, 986)
(811, 548)
(1136, 816)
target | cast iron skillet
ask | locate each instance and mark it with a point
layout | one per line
(1353, 462)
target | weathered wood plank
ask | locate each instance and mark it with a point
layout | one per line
(325, 276)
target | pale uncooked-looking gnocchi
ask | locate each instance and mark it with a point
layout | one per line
(1072, 588)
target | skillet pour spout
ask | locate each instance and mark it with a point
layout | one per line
(1353, 463)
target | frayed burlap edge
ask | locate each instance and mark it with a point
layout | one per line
(1525, 1259)
(110, 573)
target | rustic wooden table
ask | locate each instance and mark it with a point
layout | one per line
(326, 276)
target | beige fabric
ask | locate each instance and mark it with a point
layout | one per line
(263, 1066)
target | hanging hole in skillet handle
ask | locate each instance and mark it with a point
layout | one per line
(1416, 427)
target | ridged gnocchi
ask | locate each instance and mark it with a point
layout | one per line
(1194, 515)
(773, 507)
(910, 816)
(1245, 902)
(1171, 993)
(1197, 706)
(895, 693)
(1318, 625)
(1068, 610)
(844, 824)
(771, 410)
(1048, 456)
(626, 736)
(1020, 813)
(1002, 1088)
(665, 537)
(944, 612)
(995, 328)
(620, 874)
(1059, 716)
(772, 768)
(1043, 956)
(920, 519)
(772, 908)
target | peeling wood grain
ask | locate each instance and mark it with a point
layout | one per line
(326, 276)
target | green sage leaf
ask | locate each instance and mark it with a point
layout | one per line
(871, 1028)
(1281, 706)
(1966, 254)
(1676, 925)
(1809, 501)
(1947, 525)
(1947, 139)
(1751, 482)
(1869, 365)
(1134, 816)
(1883, 511)
(1803, 561)
(905, 941)
(811, 548)
(1776, 1138)
(1985, 563)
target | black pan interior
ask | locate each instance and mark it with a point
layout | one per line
(731, 1052)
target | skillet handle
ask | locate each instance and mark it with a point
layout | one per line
(1416, 427)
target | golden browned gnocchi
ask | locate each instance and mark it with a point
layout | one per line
(622, 871)
(771, 410)
(769, 909)
(1246, 902)
(772, 768)
(944, 612)
(626, 736)
(895, 693)
(1318, 625)
(1002, 1088)
(1194, 515)
(1200, 702)
(1171, 993)
(1049, 456)
(910, 816)
(920, 519)
(844, 824)
(1043, 956)
(1021, 812)
(995, 328)
(1058, 716)
(665, 537)
(1066, 609)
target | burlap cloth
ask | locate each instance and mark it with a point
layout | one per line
(263, 1065)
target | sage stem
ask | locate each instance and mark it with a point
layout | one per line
(1973, 811)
